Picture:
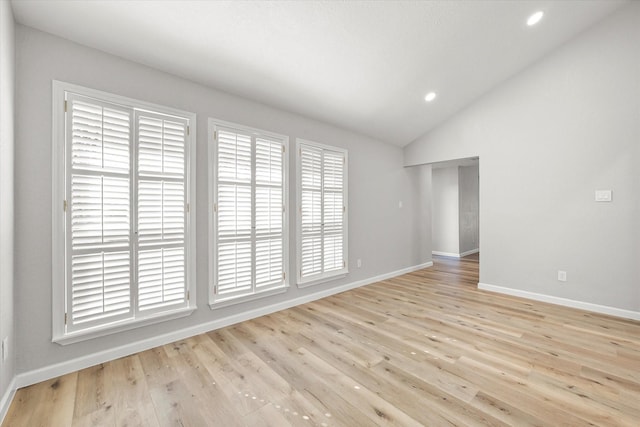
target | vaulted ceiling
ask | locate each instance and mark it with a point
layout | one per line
(364, 66)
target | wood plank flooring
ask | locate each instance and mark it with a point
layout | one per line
(422, 349)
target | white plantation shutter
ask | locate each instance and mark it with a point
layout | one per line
(161, 210)
(322, 220)
(311, 210)
(249, 213)
(269, 213)
(333, 211)
(99, 135)
(234, 259)
(125, 232)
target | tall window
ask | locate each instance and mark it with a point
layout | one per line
(322, 219)
(249, 213)
(121, 213)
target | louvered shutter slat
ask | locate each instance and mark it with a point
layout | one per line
(86, 147)
(149, 211)
(333, 170)
(160, 211)
(234, 157)
(174, 136)
(311, 168)
(173, 211)
(86, 211)
(93, 297)
(234, 211)
(115, 142)
(161, 147)
(149, 146)
(115, 211)
(268, 162)
(234, 266)
(100, 137)
(160, 278)
(268, 210)
(311, 255)
(269, 258)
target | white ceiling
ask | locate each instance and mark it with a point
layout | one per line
(363, 66)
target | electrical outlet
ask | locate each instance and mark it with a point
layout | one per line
(603, 195)
(359, 262)
(5, 348)
(562, 276)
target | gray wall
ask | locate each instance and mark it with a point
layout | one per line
(445, 201)
(423, 212)
(468, 204)
(7, 62)
(380, 232)
(548, 138)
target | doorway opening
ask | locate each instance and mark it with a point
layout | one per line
(455, 207)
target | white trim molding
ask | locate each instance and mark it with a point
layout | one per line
(68, 366)
(7, 398)
(471, 252)
(448, 254)
(596, 308)
(453, 255)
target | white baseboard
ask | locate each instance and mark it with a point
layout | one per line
(48, 372)
(596, 308)
(7, 398)
(454, 255)
(472, 251)
(449, 254)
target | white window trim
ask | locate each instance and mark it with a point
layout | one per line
(336, 274)
(58, 154)
(220, 302)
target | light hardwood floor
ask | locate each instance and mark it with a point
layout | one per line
(426, 348)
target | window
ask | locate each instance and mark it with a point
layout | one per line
(123, 251)
(322, 219)
(248, 223)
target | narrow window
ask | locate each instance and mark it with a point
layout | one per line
(249, 215)
(322, 219)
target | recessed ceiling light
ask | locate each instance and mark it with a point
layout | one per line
(535, 18)
(430, 96)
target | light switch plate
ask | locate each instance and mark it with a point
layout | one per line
(603, 195)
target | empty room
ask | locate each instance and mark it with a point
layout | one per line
(319, 213)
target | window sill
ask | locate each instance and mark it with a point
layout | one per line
(226, 302)
(323, 279)
(122, 325)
